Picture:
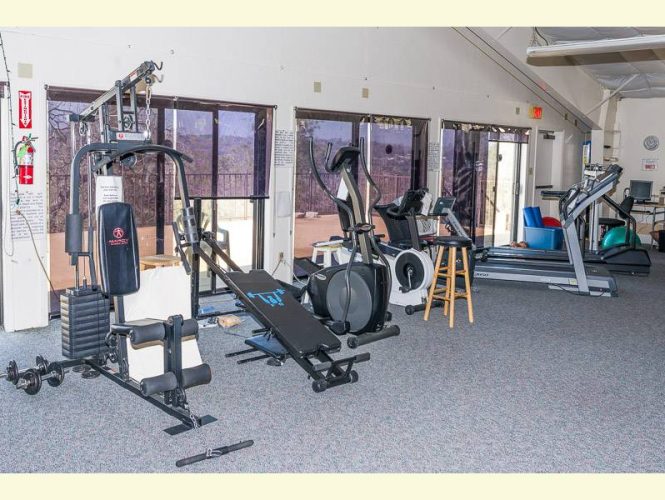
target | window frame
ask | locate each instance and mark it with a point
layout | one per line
(419, 145)
(264, 122)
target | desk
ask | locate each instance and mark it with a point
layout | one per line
(652, 210)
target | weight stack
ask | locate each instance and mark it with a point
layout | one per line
(85, 322)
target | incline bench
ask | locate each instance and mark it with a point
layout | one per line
(289, 330)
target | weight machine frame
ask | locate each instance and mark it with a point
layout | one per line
(122, 144)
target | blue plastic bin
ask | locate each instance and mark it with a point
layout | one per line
(544, 238)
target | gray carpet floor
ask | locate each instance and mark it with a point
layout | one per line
(543, 381)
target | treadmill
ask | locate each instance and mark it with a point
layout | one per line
(573, 276)
(626, 258)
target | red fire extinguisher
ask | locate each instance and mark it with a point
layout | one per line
(25, 157)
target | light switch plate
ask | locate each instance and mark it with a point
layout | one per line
(24, 70)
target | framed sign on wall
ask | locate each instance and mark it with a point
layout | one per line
(650, 164)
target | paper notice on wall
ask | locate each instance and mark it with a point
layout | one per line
(285, 148)
(284, 204)
(433, 156)
(31, 208)
(108, 189)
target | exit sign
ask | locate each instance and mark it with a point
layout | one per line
(536, 112)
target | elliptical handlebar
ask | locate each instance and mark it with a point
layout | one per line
(363, 163)
(319, 180)
(327, 159)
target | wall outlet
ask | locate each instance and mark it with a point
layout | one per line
(365, 93)
(280, 256)
(317, 87)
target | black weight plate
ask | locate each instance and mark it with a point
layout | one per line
(88, 374)
(12, 372)
(34, 381)
(57, 374)
(41, 363)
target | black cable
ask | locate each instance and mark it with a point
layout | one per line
(225, 330)
(276, 268)
(578, 293)
(8, 220)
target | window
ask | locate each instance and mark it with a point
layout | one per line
(396, 160)
(229, 145)
(315, 214)
(397, 149)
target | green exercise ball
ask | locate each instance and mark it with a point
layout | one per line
(617, 236)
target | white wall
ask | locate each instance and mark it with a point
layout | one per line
(571, 82)
(428, 72)
(635, 120)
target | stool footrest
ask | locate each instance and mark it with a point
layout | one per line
(447, 268)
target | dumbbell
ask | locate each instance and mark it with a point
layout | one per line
(13, 374)
(31, 381)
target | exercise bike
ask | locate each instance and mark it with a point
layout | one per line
(352, 297)
(407, 252)
(410, 261)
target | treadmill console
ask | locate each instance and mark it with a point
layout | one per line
(443, 205)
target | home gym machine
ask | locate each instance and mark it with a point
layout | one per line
(353, 297)
(91, 344)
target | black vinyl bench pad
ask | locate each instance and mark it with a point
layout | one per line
(275, 308)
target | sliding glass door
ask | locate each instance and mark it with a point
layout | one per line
(481, 167)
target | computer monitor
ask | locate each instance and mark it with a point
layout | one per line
(641, 190)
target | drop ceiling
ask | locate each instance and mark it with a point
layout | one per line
(614, 69)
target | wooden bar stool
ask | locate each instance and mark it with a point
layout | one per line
(448, 294)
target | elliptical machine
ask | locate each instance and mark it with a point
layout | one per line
(352, 297)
